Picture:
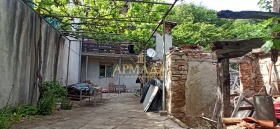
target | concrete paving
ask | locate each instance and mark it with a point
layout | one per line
(122, 111)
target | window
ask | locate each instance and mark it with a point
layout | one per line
(105, 70)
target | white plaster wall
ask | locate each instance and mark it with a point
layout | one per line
(62, 63)
(201, 88)
(264, 64)
(168, 82)
(264, 69)
(93, 74)
(159, 45)
(74, 62)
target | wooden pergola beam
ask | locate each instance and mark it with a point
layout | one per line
(235, 48)
(239, 61)
(246, 14)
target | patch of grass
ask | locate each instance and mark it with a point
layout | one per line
(10, 115)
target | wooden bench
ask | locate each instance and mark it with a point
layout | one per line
(96, 95)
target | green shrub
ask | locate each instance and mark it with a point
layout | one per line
(53, 92)
(46, 104)
(66, 105)
(54, 87)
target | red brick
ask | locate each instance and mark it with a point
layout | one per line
(181, 72)
(175, 78)
(174, 56)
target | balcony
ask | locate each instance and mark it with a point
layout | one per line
(110, 50)
(105, 48)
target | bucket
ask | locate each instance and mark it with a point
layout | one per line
(58, 106)
(276, 104)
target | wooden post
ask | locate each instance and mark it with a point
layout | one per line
(223, 93)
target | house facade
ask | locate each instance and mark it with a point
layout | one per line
(106, 63)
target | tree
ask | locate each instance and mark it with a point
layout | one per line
(272, 27)
(265, 4)
(196, 14)
(196, 25)
(196, 33)
(245, 29)
(199, 25)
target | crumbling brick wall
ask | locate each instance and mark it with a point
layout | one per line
(175, 84)
(178, 98)
(254, 75)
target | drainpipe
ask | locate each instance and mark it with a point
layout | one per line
(80, 60)
(145, 77)
(164, 68)
(120, 75)
(86, 67)
(69, 48)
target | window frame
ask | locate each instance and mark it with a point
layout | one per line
(105, 70)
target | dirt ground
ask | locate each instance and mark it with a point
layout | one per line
(115, 111)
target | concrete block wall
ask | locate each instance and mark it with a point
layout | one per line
(190, 85)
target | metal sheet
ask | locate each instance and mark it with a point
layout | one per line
(264, 108)
(150, 97)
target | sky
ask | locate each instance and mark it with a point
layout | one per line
(234, 5)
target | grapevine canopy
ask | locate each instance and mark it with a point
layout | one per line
(114, 21)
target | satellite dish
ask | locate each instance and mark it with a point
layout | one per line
(151, 52)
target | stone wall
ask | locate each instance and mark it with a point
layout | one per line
(28, 47)
(191, 85)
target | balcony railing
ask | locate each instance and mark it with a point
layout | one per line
(105, 48)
